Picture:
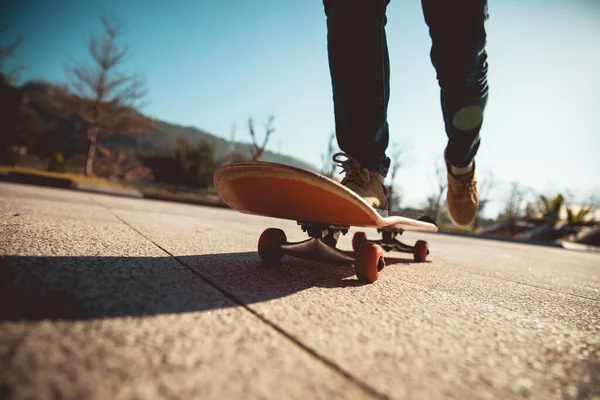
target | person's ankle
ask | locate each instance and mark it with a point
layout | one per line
(460, 171)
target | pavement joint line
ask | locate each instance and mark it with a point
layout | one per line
(365, 387)
(532, 286)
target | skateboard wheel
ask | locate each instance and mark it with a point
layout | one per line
(420, 251)
(358, 239)
(369, 261)
(269, 244)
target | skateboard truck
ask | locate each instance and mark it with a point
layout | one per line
(389, 242)
(321, 246)
(329, 234)
(367, 257)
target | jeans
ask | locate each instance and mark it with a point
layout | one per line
(360, 75)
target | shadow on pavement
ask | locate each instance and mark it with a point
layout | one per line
(80, 288)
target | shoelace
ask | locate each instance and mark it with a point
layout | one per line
(351, 167)
(467, 190)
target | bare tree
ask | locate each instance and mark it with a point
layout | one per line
(431, 204)
(21, 125)
(232, 137)
(441, 184)
(105, 95)
(485, 186)
(513, 206)
(396, 197)
(394, 193)
(328, 165)
(258, 150)
(233, 155)
(9, 52)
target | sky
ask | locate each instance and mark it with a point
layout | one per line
(213, 64)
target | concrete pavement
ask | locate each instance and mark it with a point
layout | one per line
(108, 297)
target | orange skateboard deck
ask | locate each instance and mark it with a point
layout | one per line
(323, 207)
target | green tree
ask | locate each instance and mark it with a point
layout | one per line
(577, 217)
(189, 166)
(202, 165)
(550, 209)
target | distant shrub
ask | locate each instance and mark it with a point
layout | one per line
(117, 165)
(190, 166)
(13, 155)
(57, 162)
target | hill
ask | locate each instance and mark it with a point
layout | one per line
(59, 129)
(168, 133)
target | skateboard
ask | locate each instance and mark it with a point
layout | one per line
(323, 208)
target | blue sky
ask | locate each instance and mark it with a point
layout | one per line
(211, 64)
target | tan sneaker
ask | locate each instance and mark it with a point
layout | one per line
(462, 198)
(367, 184)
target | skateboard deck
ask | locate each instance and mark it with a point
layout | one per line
(323, 207)
(286, 192)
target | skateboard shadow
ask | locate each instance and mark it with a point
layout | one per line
(81, 288)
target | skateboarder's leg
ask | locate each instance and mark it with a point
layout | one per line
(359, 67)
(457, 30)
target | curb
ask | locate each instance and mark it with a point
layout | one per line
(580, 247)
(503, 239)
(39, 180)
(87, 187)
(563, 244)
(65, 183)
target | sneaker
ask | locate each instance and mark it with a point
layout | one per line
(367, 184)
(462, 198)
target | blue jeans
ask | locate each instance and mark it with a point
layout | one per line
(359, 67)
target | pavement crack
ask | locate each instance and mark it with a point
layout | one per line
(313, 353)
